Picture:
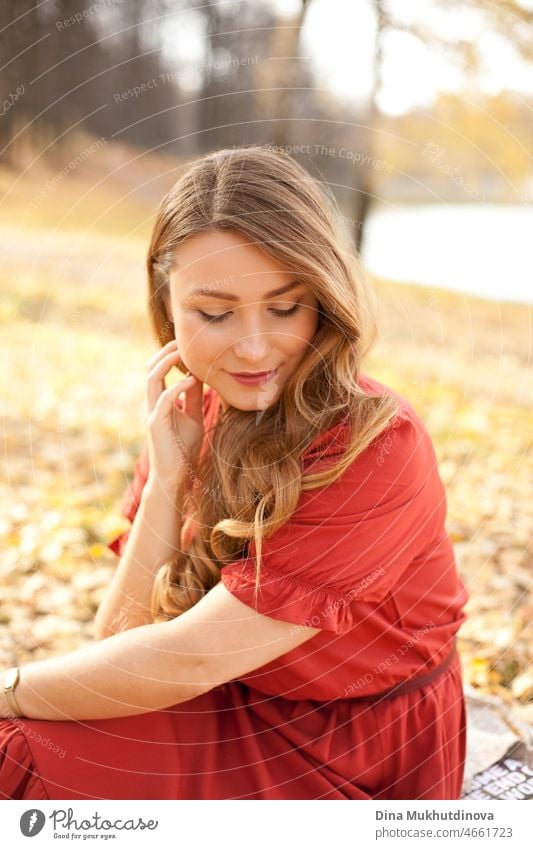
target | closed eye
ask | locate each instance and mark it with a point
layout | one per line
(215, 319)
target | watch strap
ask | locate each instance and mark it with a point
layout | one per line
(11, 698)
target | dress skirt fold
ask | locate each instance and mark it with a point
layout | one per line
(235, 742)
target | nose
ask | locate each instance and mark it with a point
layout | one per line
(254, 348)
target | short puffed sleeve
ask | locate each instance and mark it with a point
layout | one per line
(132, 496)
(352, 541)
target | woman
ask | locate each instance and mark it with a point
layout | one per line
(282, 621)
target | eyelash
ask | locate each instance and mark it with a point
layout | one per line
(216, 319)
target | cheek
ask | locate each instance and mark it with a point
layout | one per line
(189, 329)
(306, 327)
(198, 340)
(188, 340)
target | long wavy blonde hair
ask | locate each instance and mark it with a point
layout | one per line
(249, 483)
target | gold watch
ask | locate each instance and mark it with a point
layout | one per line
(11, 679)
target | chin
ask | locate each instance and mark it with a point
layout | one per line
(252, 406)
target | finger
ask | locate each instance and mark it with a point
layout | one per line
(164, 364)
(169, 399)
(166, 349)
(194, 400)
(155, 384)
(170, 346)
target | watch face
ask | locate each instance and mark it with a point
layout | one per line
(10, 678)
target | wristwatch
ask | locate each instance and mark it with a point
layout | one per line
(11, 679)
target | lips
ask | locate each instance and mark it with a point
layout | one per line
(251, 373)
(254, 379)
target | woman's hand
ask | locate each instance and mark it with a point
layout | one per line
(175, 429)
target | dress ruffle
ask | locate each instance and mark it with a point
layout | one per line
(19, 778)
(286, 598)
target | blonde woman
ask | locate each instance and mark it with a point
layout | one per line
(282, 621)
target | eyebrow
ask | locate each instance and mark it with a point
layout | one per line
(227, 296)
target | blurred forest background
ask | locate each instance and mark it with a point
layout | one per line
(419, 117)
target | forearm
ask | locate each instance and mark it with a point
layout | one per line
(129, 673)
(153, 540)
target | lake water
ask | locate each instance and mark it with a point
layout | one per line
(479, 249)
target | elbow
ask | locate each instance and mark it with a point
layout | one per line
(109, 621)
(101, 631)
(103, 628)
(101, 623)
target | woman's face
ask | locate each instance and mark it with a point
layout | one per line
(239, 323)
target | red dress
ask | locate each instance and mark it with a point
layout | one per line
(368, 561)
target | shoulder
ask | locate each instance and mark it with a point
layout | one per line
(397, 465)
(406, 411)
(406, 438)
(406, 426)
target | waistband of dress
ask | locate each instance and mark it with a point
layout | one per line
(411, 683)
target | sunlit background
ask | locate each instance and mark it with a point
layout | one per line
(418, 115)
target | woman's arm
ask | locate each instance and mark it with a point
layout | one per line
(154, 539)
(129, 673)
(156, 666)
